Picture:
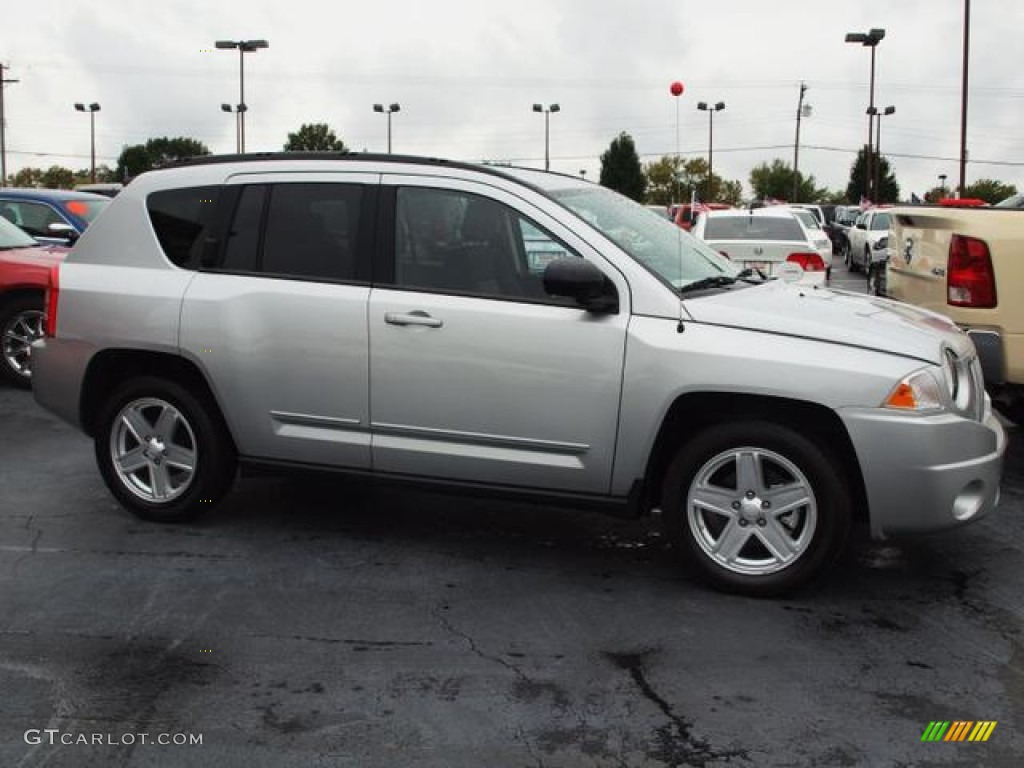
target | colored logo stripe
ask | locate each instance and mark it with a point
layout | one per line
(958, 730)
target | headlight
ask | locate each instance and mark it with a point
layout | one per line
(917, 392)
(956, 372)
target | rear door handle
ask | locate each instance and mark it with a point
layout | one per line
(416, 317)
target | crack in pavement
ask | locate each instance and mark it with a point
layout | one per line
(678, 746)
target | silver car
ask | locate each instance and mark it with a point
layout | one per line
(509, 331)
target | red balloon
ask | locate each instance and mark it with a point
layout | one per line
(676, 88)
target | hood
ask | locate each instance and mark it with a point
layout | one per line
(42, 255)
(834, 316)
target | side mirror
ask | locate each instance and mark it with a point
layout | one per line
(60, 229)
(582, 281)
(861, 225)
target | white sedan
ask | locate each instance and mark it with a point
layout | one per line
(763, 239)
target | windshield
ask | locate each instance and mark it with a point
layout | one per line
(1014, 201)
(86, 209)
(671, 254)
(12, 237)
(809, 219)
(880, 222)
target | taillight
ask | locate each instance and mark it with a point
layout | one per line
(50, 304)
(810, 262)
(970, 281)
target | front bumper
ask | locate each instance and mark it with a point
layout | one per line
(926, 473)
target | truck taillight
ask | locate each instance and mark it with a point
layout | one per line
(50, 304)
(970, 281)
(811, 262)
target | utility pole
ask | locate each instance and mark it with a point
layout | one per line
(796, 144)
(3, 140)
(963, 101)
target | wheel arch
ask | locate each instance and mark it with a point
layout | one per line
(110, 367)
(695, 411)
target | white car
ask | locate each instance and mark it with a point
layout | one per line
(817, 235)
(764, 239)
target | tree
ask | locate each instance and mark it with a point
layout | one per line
(889, 191)
(674, 180)
(775, 181)
(314, 137)
(157, 152)
(990, 190)
(621, 170)
(27, 177)
(57, 177)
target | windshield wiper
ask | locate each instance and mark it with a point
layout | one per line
(720, 281)
(716, 281)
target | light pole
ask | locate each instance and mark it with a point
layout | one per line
(869, 39)
(703, 106)
(878, 115)
(244, 47)
(942, 184)
(3, 145)
(963, 100)
(238, 110)
(92, 109)
(802, 110)
(392, 108)
(547, 130)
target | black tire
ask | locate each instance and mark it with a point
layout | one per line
(192, 424)
(20, 321)
(817, 530)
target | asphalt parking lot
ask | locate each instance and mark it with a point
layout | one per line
(332, 623)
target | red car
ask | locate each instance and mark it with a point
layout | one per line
(24, 277)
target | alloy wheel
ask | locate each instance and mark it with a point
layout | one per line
(752, 511)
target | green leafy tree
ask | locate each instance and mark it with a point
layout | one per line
(156, 152)
(674, 180)
(775, 180)
(58, 177)
(890, 189)
(27, 177)
(314, 137)
(621, 169)
(990, 190)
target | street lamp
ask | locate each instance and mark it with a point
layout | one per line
(391, 109)
(869, 39)
(878, 115)
(547, 130)
(244, 47)
(942, 184)
(238, 109)
(703, 106)
(92, 109)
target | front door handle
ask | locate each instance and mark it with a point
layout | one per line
(416, 317)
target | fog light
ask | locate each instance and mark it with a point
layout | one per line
(969, 501)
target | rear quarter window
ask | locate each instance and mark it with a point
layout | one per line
(181, 219)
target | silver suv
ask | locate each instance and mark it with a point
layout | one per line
(510, 331)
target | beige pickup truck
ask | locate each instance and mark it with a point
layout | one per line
(968, 263)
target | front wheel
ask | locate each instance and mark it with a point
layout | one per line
(164, 453)
(755, 507)
(876, 280)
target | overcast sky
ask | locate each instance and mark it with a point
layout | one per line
(466, 73)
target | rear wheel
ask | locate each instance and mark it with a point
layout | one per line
(21, 323)
(163, 452)
(755, 507)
